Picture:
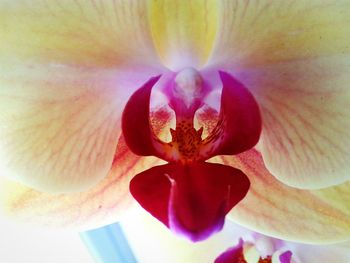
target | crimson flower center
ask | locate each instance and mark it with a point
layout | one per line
(191, 196)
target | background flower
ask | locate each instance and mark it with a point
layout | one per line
(162, 246)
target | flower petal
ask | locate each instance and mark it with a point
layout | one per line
(339, 253)
(103, 204)
(90, 33)
(136, 125)
(59, 126)
(151, 189)
(264, 32)
(239, 123)
(305, 141)
(183, 32)
(232, 255)
(300, 50)
(288, 213)
(286, 257)
(190, 199)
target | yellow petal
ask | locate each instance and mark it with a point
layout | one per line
(294, 57)
(305, 141)
(274, 209)
(183, 31)
(59, 125)
(256, 32)
(103, 204)
(90, 33)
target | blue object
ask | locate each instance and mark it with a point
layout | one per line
(108, 245)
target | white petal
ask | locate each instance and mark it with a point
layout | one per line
(263, 32)
(105, 203)
(91, 33)
(339, 253)
(305, 141)
(277, 210)
(59, 126)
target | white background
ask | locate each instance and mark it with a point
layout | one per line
(20, 244)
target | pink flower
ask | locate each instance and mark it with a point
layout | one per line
(268, 72)
(162, 246)
(259, 248)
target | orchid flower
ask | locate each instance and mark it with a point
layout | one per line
(257, 248)
(232, 244)
(88, 89)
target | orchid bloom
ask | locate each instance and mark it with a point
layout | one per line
(247, 252)
(235, 244)
(87, 89)
(258, 248)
